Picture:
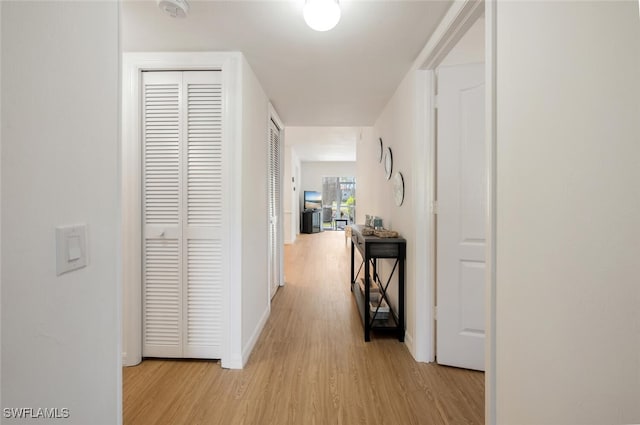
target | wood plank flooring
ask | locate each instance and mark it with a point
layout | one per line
(310, 366)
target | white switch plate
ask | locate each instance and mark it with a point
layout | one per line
(71, 248)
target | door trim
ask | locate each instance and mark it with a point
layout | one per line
(131, 192)
(491, 219)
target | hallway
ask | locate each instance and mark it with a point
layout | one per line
(310, 365)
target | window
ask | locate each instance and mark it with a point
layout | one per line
(339, 197)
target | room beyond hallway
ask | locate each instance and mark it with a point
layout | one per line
(310, 365)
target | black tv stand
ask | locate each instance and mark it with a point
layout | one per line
(311, 221)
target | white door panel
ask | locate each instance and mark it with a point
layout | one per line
(162, 204)
(461, 236)
(203, 215)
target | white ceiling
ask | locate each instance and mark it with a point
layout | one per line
(343, 77)
(312, 144)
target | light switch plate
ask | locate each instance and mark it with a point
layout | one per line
(71, 248)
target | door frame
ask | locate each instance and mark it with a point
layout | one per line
(131, 194)
(272, 115)
(458, 19)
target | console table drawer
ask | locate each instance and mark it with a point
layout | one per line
(383, 250)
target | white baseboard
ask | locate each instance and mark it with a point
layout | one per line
(126, 361)
(235, 363)
(246, 351)
(408, 341)
(232, 363)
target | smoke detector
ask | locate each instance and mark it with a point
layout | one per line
(174, 8)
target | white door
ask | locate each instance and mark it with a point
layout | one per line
(182, 214)
(461, 206)
(275, 206)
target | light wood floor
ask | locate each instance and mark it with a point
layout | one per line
(310, 366)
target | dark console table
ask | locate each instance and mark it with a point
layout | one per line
(371, 249)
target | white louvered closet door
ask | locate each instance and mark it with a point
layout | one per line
(182, 214)
(275, 205)
(202, 220)
(162, 206)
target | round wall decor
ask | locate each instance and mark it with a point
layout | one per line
(380, 150)
(398, 188)
(388, 163)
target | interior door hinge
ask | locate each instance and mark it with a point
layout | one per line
(435, 313)
(436, 103)
(434, 207)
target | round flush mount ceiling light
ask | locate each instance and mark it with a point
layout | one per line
(174, 8)
(321, 15)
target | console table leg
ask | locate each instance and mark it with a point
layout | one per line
(367, 297)
(353, 278)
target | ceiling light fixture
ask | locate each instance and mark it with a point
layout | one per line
(321, 15)
(174, 8)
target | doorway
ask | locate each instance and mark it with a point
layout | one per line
(454, 27)
(457, 22)
(134, 65)
(460, 247)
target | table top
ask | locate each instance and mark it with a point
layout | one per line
(373, 238)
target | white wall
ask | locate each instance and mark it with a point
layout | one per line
(369, 171)
(290, 190)
(60, 108)
(397, 128)
(255, 285)
(568, 203)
